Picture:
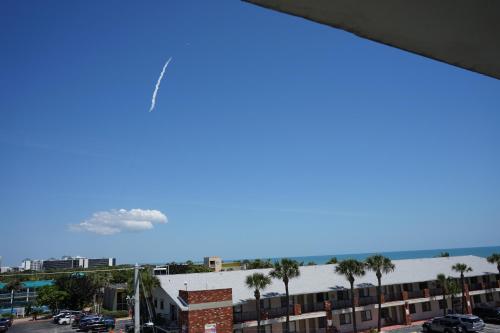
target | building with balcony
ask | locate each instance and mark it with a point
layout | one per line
(68, 262)
(320, 298)
(18, 300)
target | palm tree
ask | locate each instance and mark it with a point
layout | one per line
(380, 265)
(333, 260)
(258, 282)
(453, 289)
(443, 283)
(495, 259)
(285, 270)
(351, 268)
(101, 281)
(462, 268)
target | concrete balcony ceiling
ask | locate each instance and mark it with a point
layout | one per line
(463, 33)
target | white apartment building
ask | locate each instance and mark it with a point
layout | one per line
(320, 298)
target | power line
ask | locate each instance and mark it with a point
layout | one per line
(68, 272)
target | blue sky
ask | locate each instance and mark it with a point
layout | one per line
(272, 135)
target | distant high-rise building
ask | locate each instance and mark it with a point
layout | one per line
(68, 262)
(31, 265)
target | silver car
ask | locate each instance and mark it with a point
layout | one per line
(470, 323)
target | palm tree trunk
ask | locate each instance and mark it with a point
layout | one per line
(287, 309)
(354, 327)
(257, 306)
(379, 299)
(463, 292)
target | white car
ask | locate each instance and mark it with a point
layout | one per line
(66, 320)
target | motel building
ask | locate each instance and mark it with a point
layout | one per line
(319, 299)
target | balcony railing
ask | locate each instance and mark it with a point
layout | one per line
(493, 284)
(416, 294)
(393, 297)
(476, 286)
(265, 314)
(436, 292)
(341, 304)
(368, 300)
(314, 307)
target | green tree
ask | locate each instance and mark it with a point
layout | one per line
(351, 269)
(333, 260)
(380, 265)
(52, 297)
(495, 259)
(443, 284)
(80, 288)
(257, 282)
(259, 263)
(285, 270)
(443, 255)
(101, 280)
(462, 268)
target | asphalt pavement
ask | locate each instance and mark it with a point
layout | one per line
(46, 326)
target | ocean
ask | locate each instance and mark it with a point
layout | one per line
(394, 255)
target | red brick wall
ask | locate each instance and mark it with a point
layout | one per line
(194, 321)
(206, 296)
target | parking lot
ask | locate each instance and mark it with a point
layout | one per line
(490, 328)
(46, 326)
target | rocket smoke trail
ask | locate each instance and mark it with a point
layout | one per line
(157, 87)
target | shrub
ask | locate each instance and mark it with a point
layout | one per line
(115, 314)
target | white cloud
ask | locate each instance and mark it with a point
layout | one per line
(118, 220)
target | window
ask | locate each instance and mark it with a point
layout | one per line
(412, 308)
(441, 304)
(345, 318)
(265, 303)
(320, 297)
(422, 285)
(489, 297)
(426, 307)
(156, 303)
(385, 313)
(366, 315)
(161, 305)
(477, 299)
(364, 292)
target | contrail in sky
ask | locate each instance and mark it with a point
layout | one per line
(153, 99)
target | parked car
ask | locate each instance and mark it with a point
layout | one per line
(97, 324)
(471, 323)
(6, 321)
(488, 313)
(66, 320)
(79, 316)
(62, 313)
(4, 327)
(443, 325)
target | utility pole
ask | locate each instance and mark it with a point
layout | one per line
(137, 301)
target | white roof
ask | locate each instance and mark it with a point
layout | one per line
(321, 278)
